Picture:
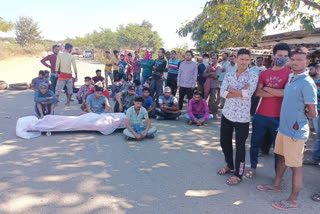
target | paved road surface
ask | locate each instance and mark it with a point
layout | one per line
(86, 172)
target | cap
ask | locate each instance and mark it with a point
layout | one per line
(131, 87)
(167, 89)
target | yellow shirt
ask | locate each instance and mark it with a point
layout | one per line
(64, 62)
(107, 61)
(114, 61)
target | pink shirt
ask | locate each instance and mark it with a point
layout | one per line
(271, 106)
(199, 109)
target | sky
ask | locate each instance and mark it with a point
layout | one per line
(61, 19)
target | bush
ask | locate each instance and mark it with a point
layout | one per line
(14, 49)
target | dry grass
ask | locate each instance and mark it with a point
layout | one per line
(12, 50)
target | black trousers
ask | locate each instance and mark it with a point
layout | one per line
(172, 81)
(182, 92)
(242, 132)
(255, 100)
(167, 116)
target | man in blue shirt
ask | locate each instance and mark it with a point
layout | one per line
(97, 102)
(299, 104)
(45, 100)
(148, 103)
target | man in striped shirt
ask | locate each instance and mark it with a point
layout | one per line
(173, 69)
(64, 62)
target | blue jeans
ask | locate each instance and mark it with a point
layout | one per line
(316, 147)
(143, 79)
(53, 85)
(187, 116)
(139, 130)
(43, 109)
(260, 125)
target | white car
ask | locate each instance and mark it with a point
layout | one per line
(87, 54)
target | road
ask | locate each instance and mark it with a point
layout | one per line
(88, 173)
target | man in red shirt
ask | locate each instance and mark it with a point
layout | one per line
(270, 88)
(52, 58)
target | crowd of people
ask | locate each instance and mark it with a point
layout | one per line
(279, 100)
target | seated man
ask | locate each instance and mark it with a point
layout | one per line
(135, 127)
(124, 100)
(38, 80)
(45, 101)
(139, 87)
(169, 108)
(148, 103)
(98, 78)
(116, 86)
(97, 102)
(198, 110)
(84, 90)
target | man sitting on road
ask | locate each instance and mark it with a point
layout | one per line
(84, 90)
(169, 108)
(148, 103)
(135, 127)
(124, 100)
(45, 101)
(38, 80)
(97, 102)
(198, 110)
(99, 78)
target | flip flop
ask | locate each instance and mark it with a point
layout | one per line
(233, 183)
(316, 197)
(225, 170)
(250, 174)
(283, 205)
(267, 188)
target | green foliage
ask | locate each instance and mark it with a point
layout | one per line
(5, 26)
(27, 31)
(131, 36)
(225, 23)
(182, 48)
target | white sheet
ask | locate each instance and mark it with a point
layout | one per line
(31, 127)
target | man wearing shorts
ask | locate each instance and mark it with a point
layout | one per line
(64, 62)
(299, 104)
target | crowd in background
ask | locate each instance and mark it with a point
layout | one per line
(278, 98)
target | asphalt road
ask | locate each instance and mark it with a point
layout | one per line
(86, 172)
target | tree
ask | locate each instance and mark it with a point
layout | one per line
(137, 36)
(27, 31)
(5, 26)
(224, 23)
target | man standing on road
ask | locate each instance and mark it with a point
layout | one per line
(136, 64)
(159, 67)
(270, 88)
(52, 58)
(212, 85)
(299, 104)
(173, 70)
(108, 67)
(115, 63)
(237, 88)
(187, 78)
(64, 62)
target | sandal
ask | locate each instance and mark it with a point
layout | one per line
(251, 173)
(283, 205)
(225, 170)
(316, 197)
(267, 188)
(234, 180)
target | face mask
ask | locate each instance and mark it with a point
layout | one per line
(86, 83)
(205, 61)
(280, 61)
